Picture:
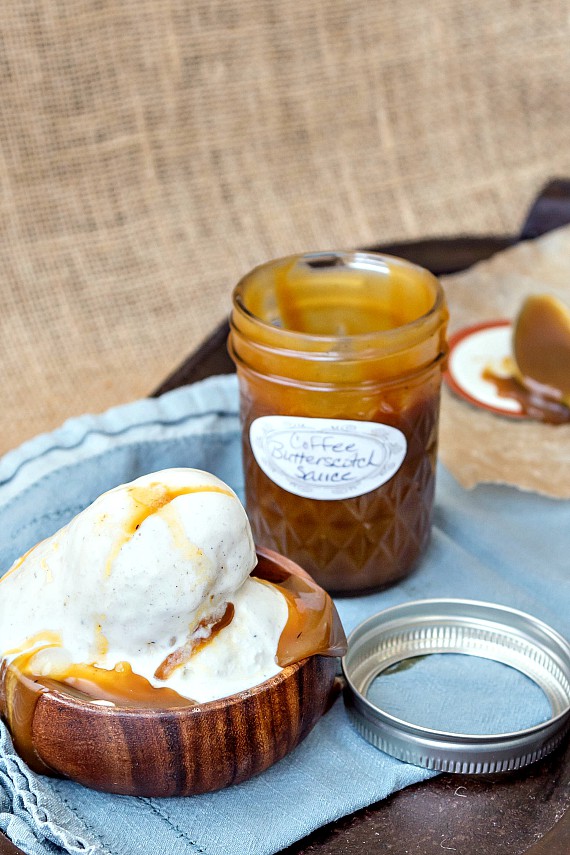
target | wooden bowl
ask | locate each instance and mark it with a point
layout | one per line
(184, 751)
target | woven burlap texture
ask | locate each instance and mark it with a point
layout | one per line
(152, 151)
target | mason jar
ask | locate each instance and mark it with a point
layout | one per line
(339, 358)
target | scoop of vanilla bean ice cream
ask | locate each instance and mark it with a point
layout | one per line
(145, 575)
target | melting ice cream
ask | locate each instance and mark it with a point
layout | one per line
(150, 581)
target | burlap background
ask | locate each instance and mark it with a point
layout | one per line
(151, 151)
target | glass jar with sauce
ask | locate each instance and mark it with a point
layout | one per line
(339, 359)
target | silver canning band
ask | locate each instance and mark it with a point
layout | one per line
(458, 626)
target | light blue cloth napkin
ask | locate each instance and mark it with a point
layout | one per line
(492, 543)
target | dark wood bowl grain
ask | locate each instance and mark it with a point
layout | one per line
(184, 751)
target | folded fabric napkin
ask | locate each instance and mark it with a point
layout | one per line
(493, 543)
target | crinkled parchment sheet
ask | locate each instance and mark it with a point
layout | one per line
(476, 445)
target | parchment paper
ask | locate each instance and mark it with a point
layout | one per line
(476, 445)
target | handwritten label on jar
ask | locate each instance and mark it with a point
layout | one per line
(326, 458)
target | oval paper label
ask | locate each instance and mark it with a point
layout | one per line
(326, 458)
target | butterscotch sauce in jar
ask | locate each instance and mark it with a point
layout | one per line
(339, 359)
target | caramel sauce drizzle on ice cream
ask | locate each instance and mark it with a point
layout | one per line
(238, 610)
(149, 500)
(183, 654)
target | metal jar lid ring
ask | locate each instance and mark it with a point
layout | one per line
(458, 626)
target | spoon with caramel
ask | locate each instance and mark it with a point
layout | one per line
(538, 374)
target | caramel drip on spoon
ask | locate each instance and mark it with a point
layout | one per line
(541, 343)
(538, 375)
(533, 404)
